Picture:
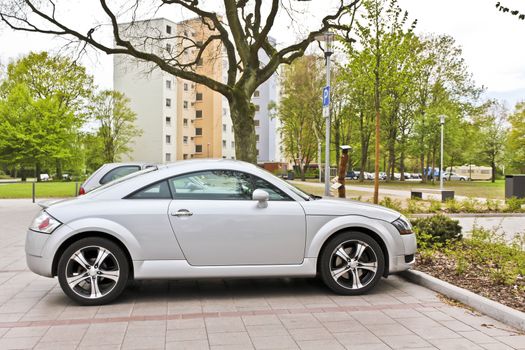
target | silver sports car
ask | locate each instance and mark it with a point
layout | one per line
(212, 218)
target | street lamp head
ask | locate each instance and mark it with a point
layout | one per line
(442, 119)
(328, 38)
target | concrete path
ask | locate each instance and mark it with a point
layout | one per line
(228, 314)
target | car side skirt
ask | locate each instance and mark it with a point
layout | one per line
(178, 269)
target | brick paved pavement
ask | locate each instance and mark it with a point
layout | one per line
(228, 314)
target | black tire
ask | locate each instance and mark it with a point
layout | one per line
(331, 262)
(115, 266)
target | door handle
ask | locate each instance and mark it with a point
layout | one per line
(182, 212)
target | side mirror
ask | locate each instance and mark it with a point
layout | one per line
(262, 196)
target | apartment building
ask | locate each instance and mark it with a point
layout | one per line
(181, 119)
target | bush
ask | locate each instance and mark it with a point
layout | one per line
(513, 204)
(452, 206)
(493, 205)
(436, 230)
(471, 205)
(391, 203)
(435, 206)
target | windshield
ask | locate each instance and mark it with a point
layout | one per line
(291, 187)
(122, 179)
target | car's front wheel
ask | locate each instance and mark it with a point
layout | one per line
(93, 271)
(351, 263)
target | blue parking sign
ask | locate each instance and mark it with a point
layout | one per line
(326, 96)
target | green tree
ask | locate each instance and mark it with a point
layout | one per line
(58, 83)
(116, 121)
(300, 111)
(492, 134)
(516, 138)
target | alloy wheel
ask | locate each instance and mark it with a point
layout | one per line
(92, 272)
(353, 264)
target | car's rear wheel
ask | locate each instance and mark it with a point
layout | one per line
(351, 263)
(93, 271)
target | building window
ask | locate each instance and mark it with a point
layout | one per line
(257, 122)
(224, 143)
(199, 96)
(233, 144)
(257, 108)
(223, 127)
(168, 29)
(185, 86)
(257, 137)
(168, 102)
(198, 148)
(185, 122)
(232, 128)
(168, 157)
(198, 114)
(168, 121)
(198, 43)
(168, 84)
(168, 47)
(184, 156)
(256, 93)
(185, 140)
(185, 104)
(168, 139)
(198, 131)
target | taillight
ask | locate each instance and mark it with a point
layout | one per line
(81, 191)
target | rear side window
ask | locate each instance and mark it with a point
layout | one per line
(119, 172)
(159, 190)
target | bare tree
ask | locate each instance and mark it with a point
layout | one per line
(242, 31)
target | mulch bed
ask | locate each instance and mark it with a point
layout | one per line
(476, 279)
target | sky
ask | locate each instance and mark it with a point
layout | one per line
(492, 42)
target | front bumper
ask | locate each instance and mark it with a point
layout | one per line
(35, 244)
(406, 261)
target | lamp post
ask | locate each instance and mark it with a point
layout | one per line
(442, 123)
(328, 38)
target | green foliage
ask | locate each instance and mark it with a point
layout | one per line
(414, 206)
(435, 206)
(437, 230)
(41, 109)
(513, 205)
(516, 139)
(493, 205)
(391, 203)
(452, 206)
(116, 128)
(471, 205)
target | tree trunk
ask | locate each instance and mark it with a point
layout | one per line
(37, 171)
(493, 166)
(59, 169)
(242, 113)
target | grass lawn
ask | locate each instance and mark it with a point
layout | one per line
(43, 190)
(481, 189)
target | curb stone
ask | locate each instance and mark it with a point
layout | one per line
(484, 305)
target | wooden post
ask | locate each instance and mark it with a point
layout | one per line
(342, 172)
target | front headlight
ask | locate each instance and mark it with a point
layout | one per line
(403, 226)
(44, 223)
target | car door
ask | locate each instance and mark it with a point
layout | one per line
(217, 222)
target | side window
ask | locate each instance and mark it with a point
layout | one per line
(275, 193)
(160, 190)
(221, 185)
(118, 172)
(213, 185)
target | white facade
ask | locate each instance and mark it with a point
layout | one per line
(152, 93)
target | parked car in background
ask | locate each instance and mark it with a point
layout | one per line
(352, 175)
(453, 177)
(109, 172)
(45, 177)
(213, 219)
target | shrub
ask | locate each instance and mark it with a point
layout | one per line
(437, 229)
(493, 205)
(452, 206)
(435, 206)
(471, 205)
(513, 204)
(415, 206)
(391, 203)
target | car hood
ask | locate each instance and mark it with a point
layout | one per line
(341, 207)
